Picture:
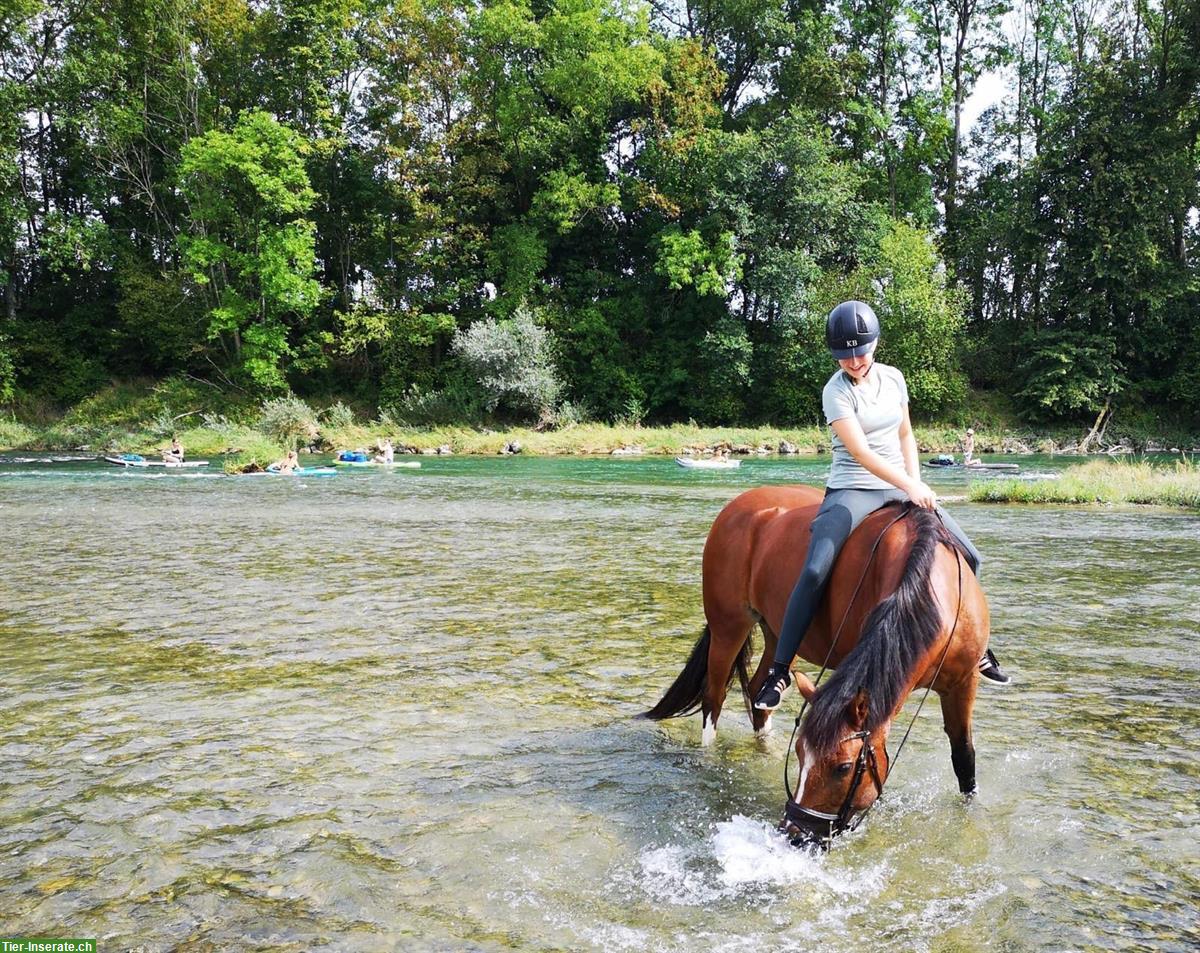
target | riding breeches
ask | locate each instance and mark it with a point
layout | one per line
(840, 512)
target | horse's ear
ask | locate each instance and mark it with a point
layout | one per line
(858, 709)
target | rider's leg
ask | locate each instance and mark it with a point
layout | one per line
(989, 668)
(840, 512)
(973, 555)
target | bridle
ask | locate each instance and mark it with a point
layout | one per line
(825, 826)
(799, 821)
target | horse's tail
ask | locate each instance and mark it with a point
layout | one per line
(687, 691)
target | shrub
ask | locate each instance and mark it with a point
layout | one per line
(453, 404)
(288, 420)
(511, 361)
(338, 417)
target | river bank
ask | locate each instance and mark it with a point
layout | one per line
(581, 439)
(142, 417)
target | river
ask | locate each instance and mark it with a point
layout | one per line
(393, 711)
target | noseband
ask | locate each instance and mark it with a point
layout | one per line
(803, 824)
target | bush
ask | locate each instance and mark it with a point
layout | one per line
(456, 403)
(338, 417)
(1068, 376)
(289, 420)
(8, 372)
(511, 361)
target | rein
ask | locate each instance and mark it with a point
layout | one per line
(787, 785)
(840, 822)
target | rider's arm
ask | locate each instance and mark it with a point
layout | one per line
(908, 446)
(851, 434)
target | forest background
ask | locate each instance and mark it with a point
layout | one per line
(554, 211)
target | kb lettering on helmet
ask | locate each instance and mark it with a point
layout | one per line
(852, 342)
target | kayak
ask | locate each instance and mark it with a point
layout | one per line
(711, 463)
(133, 460)
(952, 465)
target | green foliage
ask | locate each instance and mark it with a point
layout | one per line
(921, 316)
(338, 416)
(318, 194)
(511, 360)
(1068, 374)
(8, 373)
(251, 250)
(460, 401)
(1103, 481)
(289, 421)
(723, 381)
(686, 259)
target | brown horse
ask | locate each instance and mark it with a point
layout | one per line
(902, 610)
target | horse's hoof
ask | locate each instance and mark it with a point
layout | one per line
(765, 729)
(708, 734)
(969, 796)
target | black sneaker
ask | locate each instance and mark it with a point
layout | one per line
(990, 669)
(774, 688)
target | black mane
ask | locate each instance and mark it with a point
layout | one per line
(898, 632)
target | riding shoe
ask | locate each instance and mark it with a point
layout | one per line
(990, 669)
(771, 694)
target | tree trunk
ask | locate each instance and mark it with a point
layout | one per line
(1096, 427)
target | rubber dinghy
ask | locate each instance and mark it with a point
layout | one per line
(708, 463)
(134, 460)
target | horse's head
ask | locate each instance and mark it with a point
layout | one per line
(843, 767)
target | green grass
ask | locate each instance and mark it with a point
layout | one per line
(15, 434)
(1103, 481)
(141, 416)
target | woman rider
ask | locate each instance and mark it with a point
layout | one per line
(874, 463)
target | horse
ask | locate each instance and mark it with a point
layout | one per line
(902, 610)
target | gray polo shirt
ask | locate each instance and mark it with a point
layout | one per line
(878, 405)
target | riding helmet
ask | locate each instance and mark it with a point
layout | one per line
(852, 329)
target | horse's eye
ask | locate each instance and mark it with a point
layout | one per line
(844, 767)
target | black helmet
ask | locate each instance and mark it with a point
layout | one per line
(852, 329)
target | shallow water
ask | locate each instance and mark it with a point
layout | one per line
(393, 711)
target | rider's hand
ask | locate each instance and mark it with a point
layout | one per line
(922, 495)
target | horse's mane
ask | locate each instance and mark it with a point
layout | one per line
(897, 634)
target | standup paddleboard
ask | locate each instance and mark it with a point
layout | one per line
(133, 460)
(939, 464)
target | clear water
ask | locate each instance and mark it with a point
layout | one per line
(394, 711)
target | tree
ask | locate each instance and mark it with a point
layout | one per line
(250, 249)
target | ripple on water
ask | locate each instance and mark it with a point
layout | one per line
(389, 713)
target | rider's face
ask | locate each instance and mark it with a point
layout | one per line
(858, 367)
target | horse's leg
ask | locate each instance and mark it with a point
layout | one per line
(957, 706)
(728, 637)
(762, 719)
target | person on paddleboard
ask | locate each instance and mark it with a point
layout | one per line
(969, 448)
(387, 453)
(174, 453)
(288, 464)
(874, 463)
